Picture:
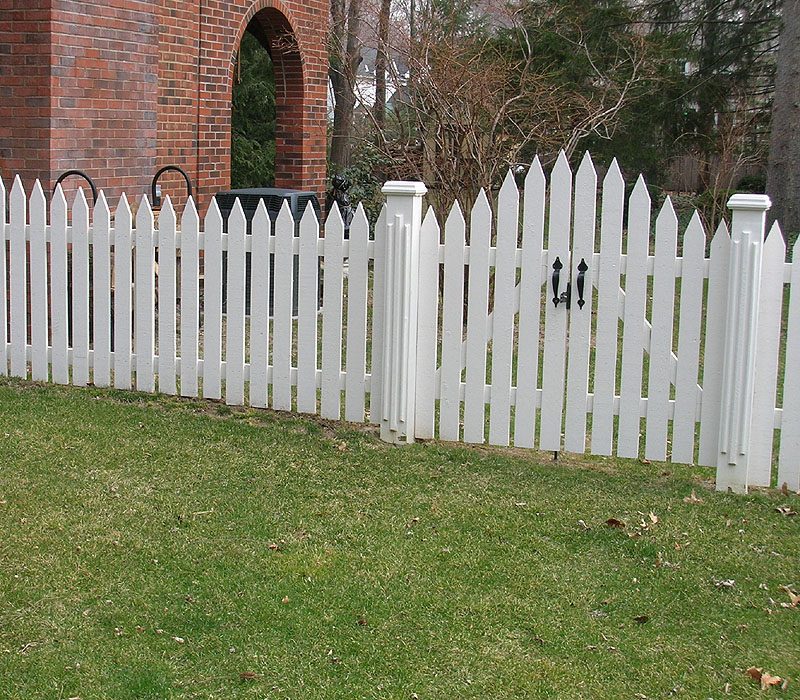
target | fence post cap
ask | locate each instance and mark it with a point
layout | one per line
(750, 202)
(404, 187)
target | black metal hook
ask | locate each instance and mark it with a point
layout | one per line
(156, 200)
(82, 174)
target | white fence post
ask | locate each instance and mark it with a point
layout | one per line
(738, 369)
(401, 284)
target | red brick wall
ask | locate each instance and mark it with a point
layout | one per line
(24, 89)
(104, 92)
(121, 87)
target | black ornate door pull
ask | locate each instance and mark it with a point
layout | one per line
(557, 265)
(582, 268)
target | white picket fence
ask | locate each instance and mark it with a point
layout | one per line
(668, 356)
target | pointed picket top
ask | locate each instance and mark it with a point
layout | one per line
(237, 221)
(586, 177)
(144, 216)
(482, 207)
(261, 220)
(587, 163)
(613, 175)
(285, 220)
(123, 216)
(456, 217)
(189, 216)
(535, 174)
(359, 218)
(59, 203)
(722, 233)
(562, 162)
(796, 250)
(2, 191)
(774, 245)
(80, 208)
(213, 215)
(430, 229)
(167, 217)
(694, 231)
(17, 199)
(666, 216)
(101, 209)
(37, 195)
(640, 192)
(509, 187)
(17, 186)
(334, 217)
(309, 217)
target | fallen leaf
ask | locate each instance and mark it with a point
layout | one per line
(180, 640)
(785, 510)
(273, 547)
(613, 522)
(726, 583)
(412, 522)
(767, 680)
(521, 504)
(285, 599)
(785, 489)
(653, 518)
(248, 676)
(342, 446)
(754, 673)
(794, 597)
(641, 619)
(693, 498)
(362, 621)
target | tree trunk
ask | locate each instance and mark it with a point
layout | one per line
(380, 68)
(783, 170)
(345, 60)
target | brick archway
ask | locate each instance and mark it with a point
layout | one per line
(270, 24)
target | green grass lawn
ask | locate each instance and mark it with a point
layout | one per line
(161, 548)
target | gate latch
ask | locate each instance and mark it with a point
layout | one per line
(566, 296)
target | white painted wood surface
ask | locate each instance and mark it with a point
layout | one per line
(38, 284)
(477, 309)
(212, 304)
(789, 455)
(282, 311)
(80, 291)
(123, 294)
(427, 327)
(234, 336)
(608, 295)
(634, 321)
(18, 275)
(659, 380)
(101, 288)
(451, 363)
(48, 350)
(530, 306)
(3, 287)
(190, 298)
(556, 314)
(166, 298)
(58, 288)
(504, 310)
(580, 315)
(259, 306)
(713, 346)
(689, 340)
(308, 299)
(759, 470)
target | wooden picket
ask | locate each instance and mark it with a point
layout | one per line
(495, 368)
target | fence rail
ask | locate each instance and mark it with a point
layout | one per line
(564, 317)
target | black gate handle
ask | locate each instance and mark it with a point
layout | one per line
(557, 265)
(582, 268)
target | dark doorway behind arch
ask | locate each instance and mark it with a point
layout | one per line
(253, 115)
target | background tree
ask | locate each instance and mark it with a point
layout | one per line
(345, 57)
(783, 174)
